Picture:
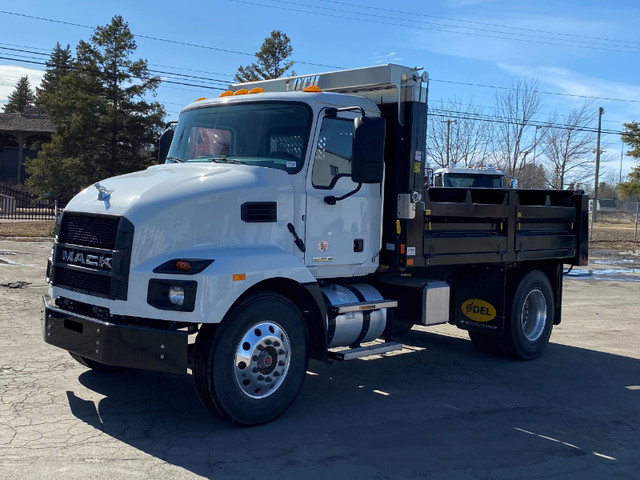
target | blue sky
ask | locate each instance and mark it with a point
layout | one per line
(472, 49)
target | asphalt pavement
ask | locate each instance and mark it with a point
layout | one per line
(438, 409)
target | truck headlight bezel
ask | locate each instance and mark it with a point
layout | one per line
(170, 294)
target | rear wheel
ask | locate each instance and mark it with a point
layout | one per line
(485, 343)
(529, 327)
(251, 368)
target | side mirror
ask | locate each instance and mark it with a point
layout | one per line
(510, 182)
(428, 178)
(164, 144)
(367, 164)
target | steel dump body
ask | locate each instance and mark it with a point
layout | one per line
(460, 226)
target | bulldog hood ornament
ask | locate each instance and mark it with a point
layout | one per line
(104, 195)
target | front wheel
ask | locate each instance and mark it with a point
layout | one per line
(251, 368)
(529, 327)
(93, 365)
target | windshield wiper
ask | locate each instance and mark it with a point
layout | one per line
(174, 160)
(223, 159)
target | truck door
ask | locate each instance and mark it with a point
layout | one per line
(342, 239)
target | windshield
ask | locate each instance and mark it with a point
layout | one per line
(465, 180)
(267, 134)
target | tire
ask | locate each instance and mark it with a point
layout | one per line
(485, 343)
(93, 365)
(251, 367)
(529, 327)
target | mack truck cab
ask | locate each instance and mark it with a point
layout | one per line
(467, 177)
(290, 221)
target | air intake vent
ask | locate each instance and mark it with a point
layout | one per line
(90, 230)
(259, 212)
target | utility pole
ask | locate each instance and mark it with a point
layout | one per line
(595, 189)
(535, 143)
(448, 122)
(621, 156)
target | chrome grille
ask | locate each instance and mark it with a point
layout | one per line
(83, 241)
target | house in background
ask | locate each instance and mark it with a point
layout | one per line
(21, 135)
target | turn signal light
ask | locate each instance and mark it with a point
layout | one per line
(183, 266)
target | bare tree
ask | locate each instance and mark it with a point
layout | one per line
(516, 109)
(458, 134)
(568, 148)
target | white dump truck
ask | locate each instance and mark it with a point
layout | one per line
(289, 221)
(467, 177)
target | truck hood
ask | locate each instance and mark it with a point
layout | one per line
(178, 207)
(136, 192)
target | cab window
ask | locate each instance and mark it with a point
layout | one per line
(333, 155)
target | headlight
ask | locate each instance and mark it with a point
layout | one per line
(172, 294)
(176, 294)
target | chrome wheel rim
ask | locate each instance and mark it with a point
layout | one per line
(262, 360)
(534, 315)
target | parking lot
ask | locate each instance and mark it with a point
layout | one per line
(438, 409)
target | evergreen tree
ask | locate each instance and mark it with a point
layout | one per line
(631, 189)
(631, 136)
(22, 96)
(59, 64)
(105, 126)
(272, 60)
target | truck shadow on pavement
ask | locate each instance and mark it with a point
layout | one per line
(438, 409)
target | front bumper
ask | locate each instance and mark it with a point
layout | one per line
(119, 345)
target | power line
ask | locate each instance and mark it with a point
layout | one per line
(475, 22)
(301, 62)
(485, 118)
(159, 39)
(353, 15)
(542, 92)
(173, 82)
(497, 119)
(432, 111)
(460, 115)
(161, 72)
(494, 108)
(191, 80)
(470, 84)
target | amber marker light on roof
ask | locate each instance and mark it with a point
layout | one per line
(227, 93)
(200, 99)
(312, 89)
(256, 90)
(242, 91)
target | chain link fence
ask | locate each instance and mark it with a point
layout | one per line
(621, 213)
